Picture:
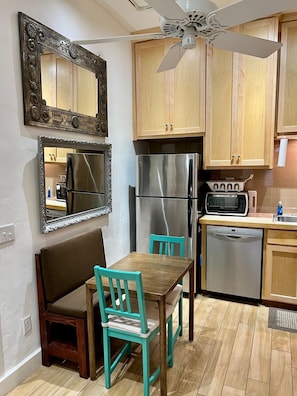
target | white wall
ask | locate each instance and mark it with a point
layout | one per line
(19, 193)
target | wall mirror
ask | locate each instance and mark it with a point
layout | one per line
(75, 181)
(64, 85)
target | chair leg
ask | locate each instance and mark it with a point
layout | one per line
(146, 368)
(179, 331)
(180, 314)
(107, 358)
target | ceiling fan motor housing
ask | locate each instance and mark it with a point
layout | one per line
(205, 6)
(196, 12)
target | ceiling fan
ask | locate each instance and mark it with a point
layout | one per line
(188, 19)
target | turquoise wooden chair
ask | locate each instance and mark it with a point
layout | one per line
(129, 318)
(171, 246)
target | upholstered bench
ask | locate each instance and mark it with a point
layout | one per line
(61, 271)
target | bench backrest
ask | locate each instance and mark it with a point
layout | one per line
(68, 264)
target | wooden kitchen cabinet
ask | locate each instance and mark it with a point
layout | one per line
(56, 154)
(68, 86)
(172, 103)
(240, 102)
(287, 115)
(280, 267)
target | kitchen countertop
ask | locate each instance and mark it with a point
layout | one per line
(53, 203)
(254, 220)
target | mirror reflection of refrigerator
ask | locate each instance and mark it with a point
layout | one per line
(167, 201)
(84, 182)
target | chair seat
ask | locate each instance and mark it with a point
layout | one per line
(132, 325)
(174, 296)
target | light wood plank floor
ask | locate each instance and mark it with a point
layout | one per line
(234, 353)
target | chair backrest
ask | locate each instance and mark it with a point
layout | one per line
(168, 245)
(120, 284)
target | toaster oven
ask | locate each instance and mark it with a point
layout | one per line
(61, 191)
(227, 203)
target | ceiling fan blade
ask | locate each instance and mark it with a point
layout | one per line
(249, 10)
(167, 9)
(144, 36)
(172, 57)
(244, 44)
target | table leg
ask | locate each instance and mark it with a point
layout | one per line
(191, 303)
(163, 347)
(91, 335)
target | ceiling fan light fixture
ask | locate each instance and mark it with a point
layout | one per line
(189, 42)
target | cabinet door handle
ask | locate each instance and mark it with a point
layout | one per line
(232, 158)
(171, 127)
(166, 127)
(238, 158)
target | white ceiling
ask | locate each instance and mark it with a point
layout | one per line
(127, 15)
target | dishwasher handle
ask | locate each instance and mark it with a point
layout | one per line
(235, 238)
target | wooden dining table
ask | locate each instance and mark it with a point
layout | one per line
(160, 274)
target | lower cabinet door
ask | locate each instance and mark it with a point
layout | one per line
(280, 274)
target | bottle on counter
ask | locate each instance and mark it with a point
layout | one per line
(49, 192)
(280, 208)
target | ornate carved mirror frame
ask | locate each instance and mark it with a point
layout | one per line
(52, 224)
(36, 39)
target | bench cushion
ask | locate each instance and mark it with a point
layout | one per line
(74, 303)
(67, 265)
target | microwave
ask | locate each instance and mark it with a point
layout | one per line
(227, 203)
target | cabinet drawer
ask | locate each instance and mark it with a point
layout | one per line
(282, 237)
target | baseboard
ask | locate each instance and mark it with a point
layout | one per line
(15, 376)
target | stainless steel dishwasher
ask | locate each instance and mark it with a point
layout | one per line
(234, 261)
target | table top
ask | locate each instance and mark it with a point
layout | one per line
(160, 273)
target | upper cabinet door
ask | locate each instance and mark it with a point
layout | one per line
(169, 103)
(287, 115)
(187, 92)
(151, 99)
(241, 92)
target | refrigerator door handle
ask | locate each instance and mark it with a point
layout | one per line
(69, 186)
(190, 179)
(190, 217)
(190, 196)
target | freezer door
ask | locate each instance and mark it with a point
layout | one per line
(85, 172)
(167, 175)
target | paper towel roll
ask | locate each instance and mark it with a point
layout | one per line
(252, 201)
(282, 152)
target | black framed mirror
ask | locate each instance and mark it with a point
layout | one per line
(64, 85)
(75, 181)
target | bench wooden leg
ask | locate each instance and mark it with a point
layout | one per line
(82, 348)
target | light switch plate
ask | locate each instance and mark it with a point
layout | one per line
(7, 233)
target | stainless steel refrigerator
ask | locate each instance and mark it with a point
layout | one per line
(167, 200)
(84, 182)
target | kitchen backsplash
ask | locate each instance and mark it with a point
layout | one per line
(277, 184)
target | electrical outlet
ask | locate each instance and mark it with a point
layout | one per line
(27, 325)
